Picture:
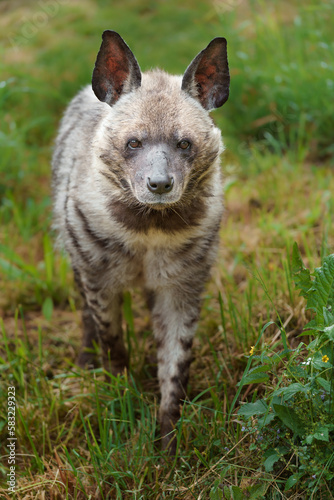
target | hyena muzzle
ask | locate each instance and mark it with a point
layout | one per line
(138, 200)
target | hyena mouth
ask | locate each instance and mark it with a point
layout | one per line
(160, 204)
(159, 192)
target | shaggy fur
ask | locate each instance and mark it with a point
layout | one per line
(138, 200)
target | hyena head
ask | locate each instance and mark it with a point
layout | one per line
(158, 138)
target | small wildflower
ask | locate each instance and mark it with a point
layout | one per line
(243, 429)
(251, 352)
(314, 476)
(323, 395)
(226, 448)
(325, 359)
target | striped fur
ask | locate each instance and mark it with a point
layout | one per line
(117, 232)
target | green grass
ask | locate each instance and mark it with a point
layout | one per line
(77, 437)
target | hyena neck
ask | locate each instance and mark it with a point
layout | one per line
(169, 220)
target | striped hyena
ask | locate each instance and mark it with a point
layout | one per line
(138, 199)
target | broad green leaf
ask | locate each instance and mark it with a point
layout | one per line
(322, 433)
(297, 261)
(265, 420)
(255, 378)
(259, 369)
(256, 375)
(237, 493)
(328, 318)
(319, 364)
(291, 390)
(312, 325)
(302, 276)
(289, 418)
(313, 345)
(329, 332)
(319, 292)
(227, 493)
(324, 383)
(323, 292)
(250, 409)
(257, 491)
(292, 481)
(216, 494)
(273, 456)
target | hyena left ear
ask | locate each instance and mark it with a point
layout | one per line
(207, 78)
(116, 69)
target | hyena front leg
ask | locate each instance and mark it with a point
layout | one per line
(102, 321)
(108, 318)
(87, 356)
(174, 318)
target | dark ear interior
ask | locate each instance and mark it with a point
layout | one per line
(116, 69)
(207, 78)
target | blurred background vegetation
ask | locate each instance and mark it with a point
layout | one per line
(278, 128)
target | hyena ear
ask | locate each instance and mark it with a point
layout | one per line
(207, 78)
(116, 69)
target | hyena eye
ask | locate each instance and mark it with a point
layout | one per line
(184, 144)
(134, 143)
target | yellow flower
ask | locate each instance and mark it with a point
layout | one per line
(325, 358)
(251, 352)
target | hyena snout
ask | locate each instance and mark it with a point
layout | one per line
(159, 178)
(160, 182)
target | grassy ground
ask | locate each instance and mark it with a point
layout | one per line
(78, 438)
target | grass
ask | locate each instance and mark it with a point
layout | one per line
(77, 437)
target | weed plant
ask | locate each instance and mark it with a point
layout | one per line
(293, 424)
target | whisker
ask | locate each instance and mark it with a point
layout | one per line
(177, 213)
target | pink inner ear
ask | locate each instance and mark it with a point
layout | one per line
(117, 66)
(206, 72)
(205, 76)
(116, 69)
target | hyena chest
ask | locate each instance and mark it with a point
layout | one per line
(150, 264)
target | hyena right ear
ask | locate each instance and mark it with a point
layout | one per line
(207, 78)
(116, 69)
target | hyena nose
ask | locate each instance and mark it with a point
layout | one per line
(160, 184)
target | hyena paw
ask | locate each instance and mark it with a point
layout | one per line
(87, 360)
(115, 367)
(168, 432)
